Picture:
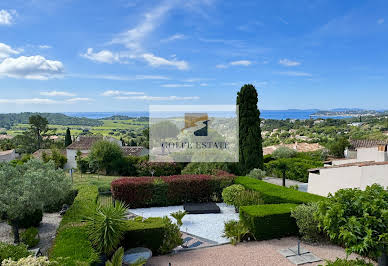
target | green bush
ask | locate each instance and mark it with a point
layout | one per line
(230, 193)
(30, 237)
(284, 152)
(106, 227)
(307, 223)
(296, 168)
(357, 219)
(72, 240)
(195, 168)
(273, 194)
(346, 262)
(247, 198)
(269, 221)
(8, 251)
(235, 231)
(57, 206)
(257, 173)
(157, 234)
(31, 220)
(30, 261)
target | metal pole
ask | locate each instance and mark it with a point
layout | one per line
(298, 247)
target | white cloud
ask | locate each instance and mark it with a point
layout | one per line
(31, 67)
(158, 98)
(176, 85)
(78, 99)
(380, 21)
(294, 73)
(6, 51)
(235, 63)
(289, 63)
(132, 38)
(43, 46)
(57, 93)
(156, 61)
(116, 77)
(28, 101)
(174, 38)
(203, 84)
(6, 17)
(118, 93)
(151, 77)
(240, 63)
(104, 56)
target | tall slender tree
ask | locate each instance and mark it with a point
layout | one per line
(250, 141)
(68, 140)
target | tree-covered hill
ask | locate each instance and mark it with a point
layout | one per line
(8, 120)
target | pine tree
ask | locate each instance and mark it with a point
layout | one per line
(250, 141)
(68, 140)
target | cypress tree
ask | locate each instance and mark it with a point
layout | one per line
(68, 140)
(250, 141)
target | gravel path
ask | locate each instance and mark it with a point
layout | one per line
(261, 253)
(209, 226)
(47, 231)
(279, 181)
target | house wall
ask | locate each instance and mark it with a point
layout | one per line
(332, 179)
(71, 158)
(371, 154)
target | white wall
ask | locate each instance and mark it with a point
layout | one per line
(72, 158)
(332, 179)
(370, 154)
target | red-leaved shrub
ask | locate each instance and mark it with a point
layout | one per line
(169, 190)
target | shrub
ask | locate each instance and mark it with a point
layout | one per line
(273, 194)
(195, 168)
(178, 216)
(257, 173)
(117, 258)
(269, 221)
(31, 220)
(158, 169)
(229, 194)
(103, 155)
(83, 165)
(357, 219)
(296, 168)
(157, 234)
(8, 251)
(106, 227)
(141, 191)
(59, 159)
(123, 167)
(30, 261)
(346, 262)
(235, 231)
(172, 237)
(57, 206)
(284, 152)
(247, 198)
(306, 222)
(30, 237)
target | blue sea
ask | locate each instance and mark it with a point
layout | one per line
(266, 114)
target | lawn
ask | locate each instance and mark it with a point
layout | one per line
(101, 181)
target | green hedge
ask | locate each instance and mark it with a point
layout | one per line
(148, 233)
(269, 221)
(274, 194)
(72, 240)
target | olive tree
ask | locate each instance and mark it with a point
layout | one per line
(29, 187)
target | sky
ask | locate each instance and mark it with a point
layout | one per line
(123, 55)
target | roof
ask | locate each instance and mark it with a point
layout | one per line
(2, 153)
(84, 143)
(132, 150)
(299, 147)
(366, 143)
(359, 164)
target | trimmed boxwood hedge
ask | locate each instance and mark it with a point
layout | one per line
(273, 194)
(72, 240)
(269, 221)
(148, 233)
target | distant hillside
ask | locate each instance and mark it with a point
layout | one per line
(125, 117)
(8, 120)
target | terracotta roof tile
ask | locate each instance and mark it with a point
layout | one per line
(84, 143)
(366, 143)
